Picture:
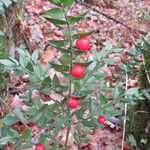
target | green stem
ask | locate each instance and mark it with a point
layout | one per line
(70, 78)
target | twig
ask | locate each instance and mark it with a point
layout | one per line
(146, 71)
(111, 18)
(18, 117)
(125, 113)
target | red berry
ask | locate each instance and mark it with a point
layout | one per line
(101, 120)
(78, 71)
(83, 44)
(72, 102)
(39, 146)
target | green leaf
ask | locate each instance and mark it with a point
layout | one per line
(108, 45)
(56, 21)
(35, 56)
(58, 125)
(67, 3)
(79, 97)
(66, 33)
(30, 67)
(13, 133)
(112, 111)
(42, 138)
(7, 2)
(131, 91)
(75, 19)
(23, 61)
(32, 111)
(60, 68)
(55, 13)
(38, 103)
(5, 139)
(65, 59)
(89, 124)
(23, 52)
(10, 120)
(26, 134)
(103, 99)
(77, 52)
(7, 62)
(58, 43)
(47, 81)
(109, 61)
(56, 2)
(132, 140)
(46, 91)
(55, 81)
(117, 50)
(46, 69)
(2, 7)
(84, 140)
(37, 70)
(84, 64)
(76, 36)
(115, 93)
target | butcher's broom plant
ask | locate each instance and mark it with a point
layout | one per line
(74, 112)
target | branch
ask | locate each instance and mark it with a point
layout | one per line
(125, 112)
(111, 18)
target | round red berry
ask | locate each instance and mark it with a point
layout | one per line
(78, 71)
(101, 120)
(39, 146)
(72, 102)
(83, 44)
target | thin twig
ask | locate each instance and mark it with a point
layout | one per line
(125, 113)
(111, 18)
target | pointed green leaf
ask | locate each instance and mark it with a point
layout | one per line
(84, 64)
(46, 91)
(65, 59)
(75, 19)
(103, 99)
(56, 2)
(76, 36)
(7, 62)
(60, 68)
(55, 81)
(59, 43)
(30, 67)
(26, 134)
(55, 13)
(46, 69)
(56, 21)
(67, 3)
(35, 56)
(47, 81)
(132, 140)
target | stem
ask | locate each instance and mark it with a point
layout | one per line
(125, 113)
(70, 78)
(27, 127)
